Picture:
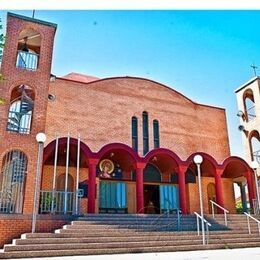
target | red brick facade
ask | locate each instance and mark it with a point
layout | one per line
(101, 112)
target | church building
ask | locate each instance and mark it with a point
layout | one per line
(121, 145)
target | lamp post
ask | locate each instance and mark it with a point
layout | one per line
(198, 159)
(40, 138)
(254, 166)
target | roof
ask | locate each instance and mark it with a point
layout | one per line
(247, 83)
(33, 20)
(80, 77)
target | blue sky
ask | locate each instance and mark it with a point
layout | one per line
(205, 55)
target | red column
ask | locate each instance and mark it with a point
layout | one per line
(92, 164)
(250, 187)
(219, 190)
(139, 188)
(182, 188)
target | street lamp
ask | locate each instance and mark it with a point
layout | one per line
(40, 138)
(254, 166)
(198, 159)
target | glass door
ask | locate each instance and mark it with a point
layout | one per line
(112, 197)
(169, 198)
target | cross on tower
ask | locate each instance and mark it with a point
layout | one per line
(254, 67)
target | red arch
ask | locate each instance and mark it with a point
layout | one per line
(118, 146)
(205, 156)
(163, 151)
(63, 140)
(236, 159)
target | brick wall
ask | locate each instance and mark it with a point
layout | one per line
(101, 112)
(12, 226)
(193, 195)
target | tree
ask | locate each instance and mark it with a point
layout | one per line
(2, 40)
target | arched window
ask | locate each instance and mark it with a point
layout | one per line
(61, 183)
(249, 104)
(152, 174)
(12, 182)
(28, 49)
(21, 109)
(190, 177)
(134, 133)
(156, 137)
(145, 133)
(255, 146)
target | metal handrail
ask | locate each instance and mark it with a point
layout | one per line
(248, 216)
(225, 210)
(198, 216)
(167, 213)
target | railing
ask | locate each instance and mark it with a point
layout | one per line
(213, 203)
(198, 216)
(248, 216)
(19, 122)
(27, 60)
(58, 202)
(167, 214)
(255, 206)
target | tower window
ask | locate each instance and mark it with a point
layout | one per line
(249, 104)
(28, 50)
(145, 133)
(156, 138)
(134, 133)
(21, 109)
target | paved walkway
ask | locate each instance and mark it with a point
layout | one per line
(222, 254)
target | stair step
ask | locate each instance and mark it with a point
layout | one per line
(101, 251)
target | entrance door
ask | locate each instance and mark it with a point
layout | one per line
(112, 197)
(151, 199)
(169, 198)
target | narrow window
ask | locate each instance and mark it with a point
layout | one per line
(249, 104)
(145, 133)
(134, 134)
(12, 182)
(255, 146)
(21, 109)
(156, 138)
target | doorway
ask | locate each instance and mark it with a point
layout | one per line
(151, 199)
(211, 196)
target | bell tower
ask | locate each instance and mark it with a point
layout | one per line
(26, 67)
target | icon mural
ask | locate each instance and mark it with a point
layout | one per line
(106, 167)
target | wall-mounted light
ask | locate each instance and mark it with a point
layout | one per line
(241, 128)
(52, 77)
(240, 113)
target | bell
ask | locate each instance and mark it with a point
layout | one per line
(24, 46)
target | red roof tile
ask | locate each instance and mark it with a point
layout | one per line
(80, 77)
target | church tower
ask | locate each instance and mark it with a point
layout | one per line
(26, 68)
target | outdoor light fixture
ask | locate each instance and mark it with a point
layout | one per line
(240, 113)
(254, 166)
(198, 159)
(40, 138)
(52, 77)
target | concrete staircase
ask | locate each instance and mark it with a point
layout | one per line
(112, 234)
